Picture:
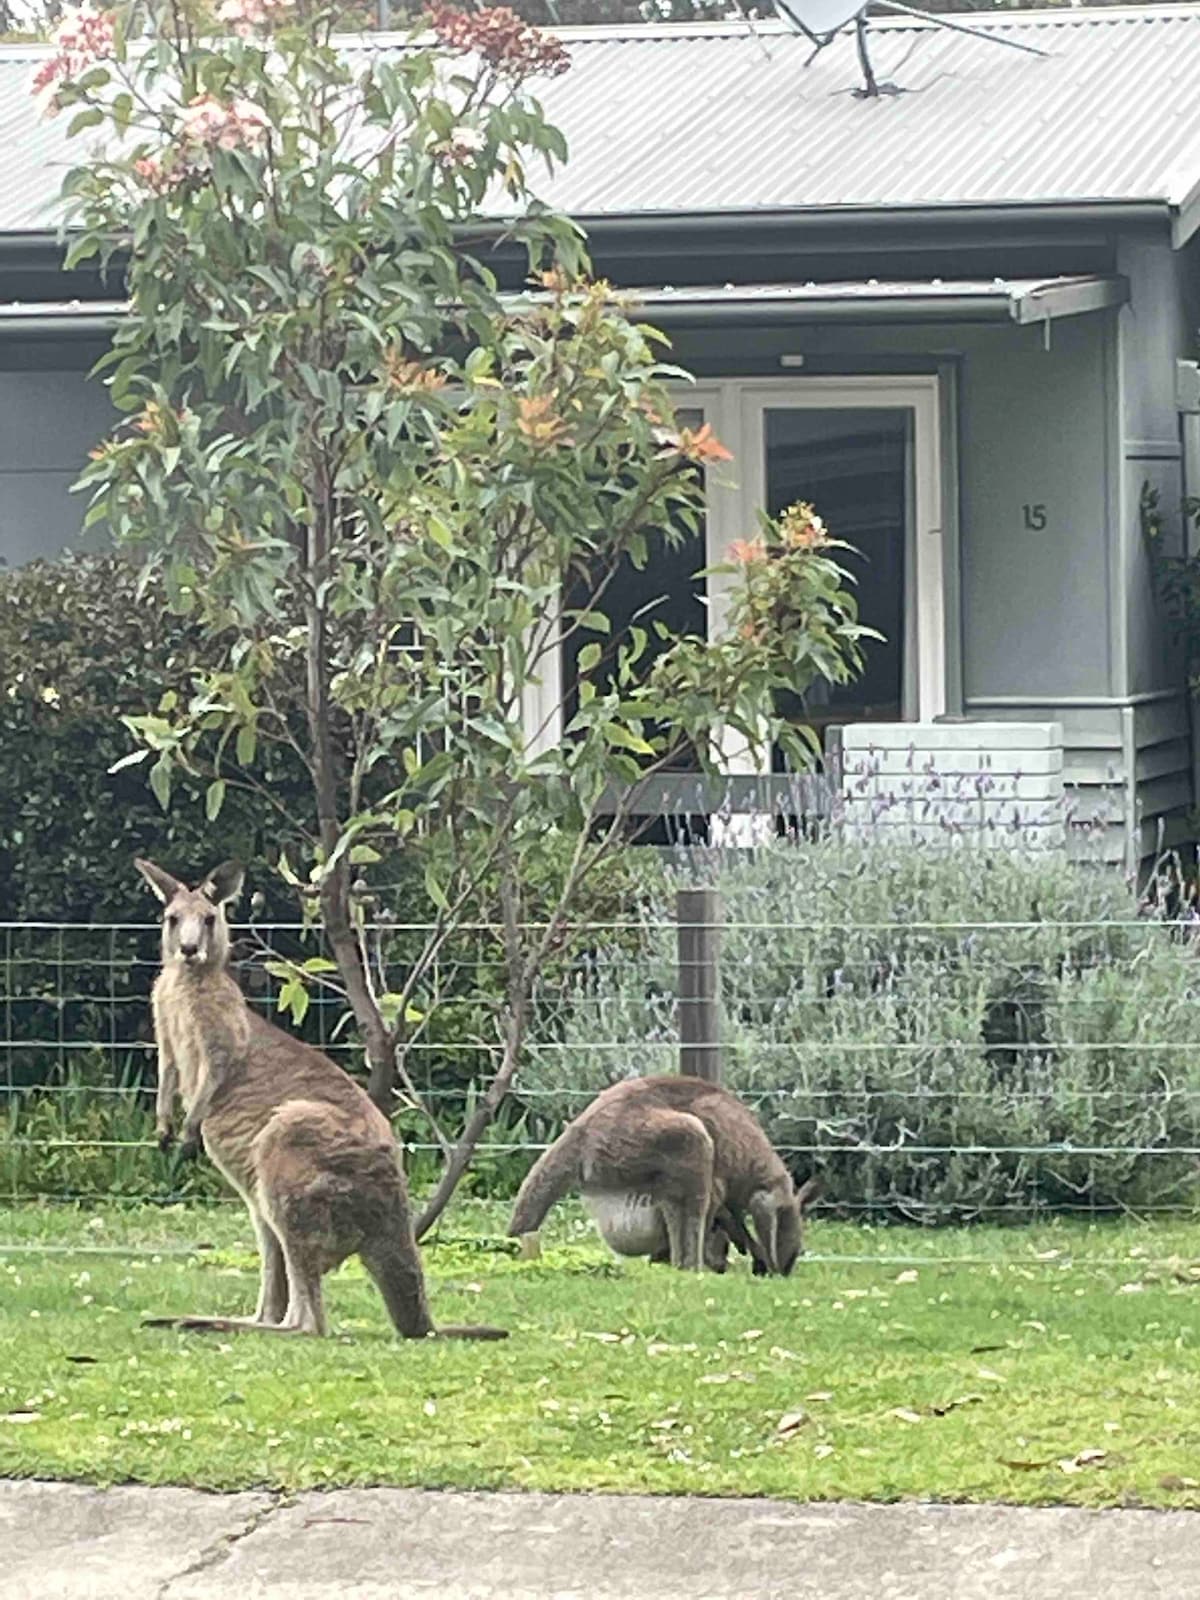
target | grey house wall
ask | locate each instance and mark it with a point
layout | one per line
(1062, 623)
(50, 417)
(1058, 623)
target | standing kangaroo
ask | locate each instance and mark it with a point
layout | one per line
(665, 1167)
(313, 1158)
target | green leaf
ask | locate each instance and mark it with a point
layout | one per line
(160, 780)
(92, 117)
(294, 997)
(589, 656)
(435, 891)
(214, 799)
(247, 742)
(131, 760)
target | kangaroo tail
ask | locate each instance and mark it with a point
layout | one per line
(551, 1175)
(394, 1262)
(468, 1330)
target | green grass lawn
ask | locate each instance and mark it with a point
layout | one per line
(1056, 1363)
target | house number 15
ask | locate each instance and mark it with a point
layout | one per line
(1035, 518)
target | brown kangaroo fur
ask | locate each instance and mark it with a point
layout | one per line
(677, 1161)
(313, 1158)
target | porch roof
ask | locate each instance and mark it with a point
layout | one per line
(1020, 300)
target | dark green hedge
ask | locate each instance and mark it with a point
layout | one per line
(80, 647)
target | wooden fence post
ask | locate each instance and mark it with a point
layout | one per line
(698, 926)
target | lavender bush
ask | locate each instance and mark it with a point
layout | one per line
(943, 1034)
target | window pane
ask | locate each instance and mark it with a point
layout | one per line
(853, 465)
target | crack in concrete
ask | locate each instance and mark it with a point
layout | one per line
(219, 1550)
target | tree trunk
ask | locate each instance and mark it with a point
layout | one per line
(519, 976)
(335, 887)
(460, 1158)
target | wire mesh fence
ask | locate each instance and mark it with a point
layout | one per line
(931, 1071)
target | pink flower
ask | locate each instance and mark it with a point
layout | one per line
(498, 36)
(247, 125)
(246, 17)
(461, 148)
(206, 121)
(83, 36)
(159, 174)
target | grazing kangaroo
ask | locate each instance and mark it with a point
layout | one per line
(668, 1166)
(313, 1158)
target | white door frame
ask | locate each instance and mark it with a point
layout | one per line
(736, 491)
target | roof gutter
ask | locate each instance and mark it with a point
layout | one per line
(774, 313)
(24, 322)
(1024, 304)
(1085, 213)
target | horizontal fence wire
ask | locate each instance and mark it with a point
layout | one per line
(931, 1070)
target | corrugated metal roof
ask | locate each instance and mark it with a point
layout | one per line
(728, 118)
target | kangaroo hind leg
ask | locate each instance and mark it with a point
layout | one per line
(682, 1155)
(272, 1293)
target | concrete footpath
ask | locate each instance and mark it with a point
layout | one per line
(68, 1542)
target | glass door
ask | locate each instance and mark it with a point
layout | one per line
(864, 453)
(854, 466)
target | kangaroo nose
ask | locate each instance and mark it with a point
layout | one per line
(188, 949)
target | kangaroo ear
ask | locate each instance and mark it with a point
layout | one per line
(224, 882)
(808, 1191)
(164, 885)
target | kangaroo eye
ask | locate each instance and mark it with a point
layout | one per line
(172, 921)
(210, 922)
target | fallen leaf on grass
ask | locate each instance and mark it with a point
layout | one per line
(990, 1376)
(903, 1414)
(986, 1349)
(953, 1405)
(820, 1394)
(1085, 1458)
(822, 1450)
(1025, 1466)
(83, 1361)
(790, 1424)
(1172, 1480)
(906, 1277)
(22, 1416)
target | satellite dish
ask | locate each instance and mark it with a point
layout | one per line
(820, 21)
